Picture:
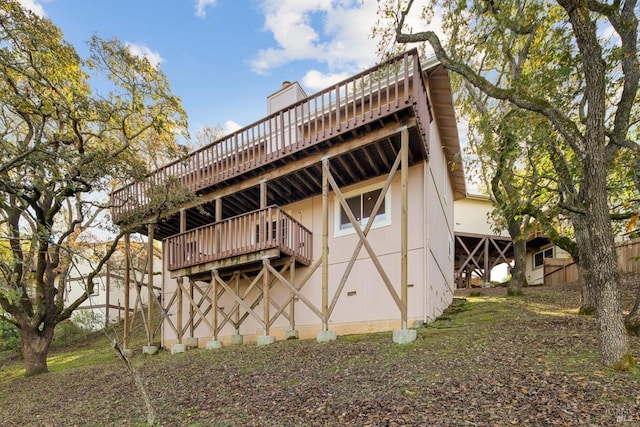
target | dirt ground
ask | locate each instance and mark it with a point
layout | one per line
(491, 360)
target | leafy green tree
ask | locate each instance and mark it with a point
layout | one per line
(583, 83)
(509, 176)
(63, 147)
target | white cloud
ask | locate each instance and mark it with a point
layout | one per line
(315, 80)
(329, 31)
(333, 32)
(33, 6)
(142, 51)
(230, 126)
(201, 6)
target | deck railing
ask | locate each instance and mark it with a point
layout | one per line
(363, 98)
(255, 231)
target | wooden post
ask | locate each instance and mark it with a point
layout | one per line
(292, 308)
(152, 228)
(263, 194)
(214, 307)
(179, 313)
(237, 314)
(127, 286)
(265, 296)
(183, 220)
(191, 310)
(325, 244)
(108, 286)
(218, 218)
(486, 276)
(404, 224)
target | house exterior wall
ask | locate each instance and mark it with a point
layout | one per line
(115, 297)
(473, 215)
(365, 304)
(439, 220)
(535, 275)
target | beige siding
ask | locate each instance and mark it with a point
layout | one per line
(440, 241)
(473, 215)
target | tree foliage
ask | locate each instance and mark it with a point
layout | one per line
(63, 145)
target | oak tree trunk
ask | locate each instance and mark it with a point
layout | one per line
(632, 321)
(588, 290)
(518, 277)
(35, 347)
(612, 335)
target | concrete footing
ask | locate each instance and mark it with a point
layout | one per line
(265, 339)
(236, 339)
(291, 334)
(150, 349)
(212, 345)
(325, 336)
(128, 352)
(404, 336)
(178, 348)
(190, 342)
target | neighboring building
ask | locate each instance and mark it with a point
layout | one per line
(279, 243)
(482, 254)
(107, 302)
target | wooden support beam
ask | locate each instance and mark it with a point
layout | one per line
(296, 291)
(165, 311)
(127, 288)
(237, 308)
(150, 295)
(179, 310)
(471, 255)
(191, 309)
(263, 194)
(356, 251)
(236, 297)
(107, 295)
(404, 224)
(292, 307)
(183, 220)
(325, 244)
(193, 304)
(486, 277)
(214, 308)
(363, 238)
(265, 292)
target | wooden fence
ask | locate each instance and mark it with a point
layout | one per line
(559, 270)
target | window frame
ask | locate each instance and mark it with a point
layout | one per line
(542, 251)
(382, 220)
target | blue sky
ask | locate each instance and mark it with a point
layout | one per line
(224, 57)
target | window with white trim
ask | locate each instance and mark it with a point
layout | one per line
(361, 202)
(538, 257)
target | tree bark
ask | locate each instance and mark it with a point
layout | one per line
(632, 321)
(518, 277)
(588, 291)
(35, 347)
(612, 334)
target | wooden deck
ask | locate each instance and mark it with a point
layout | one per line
(368, 98)
(254, 232)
